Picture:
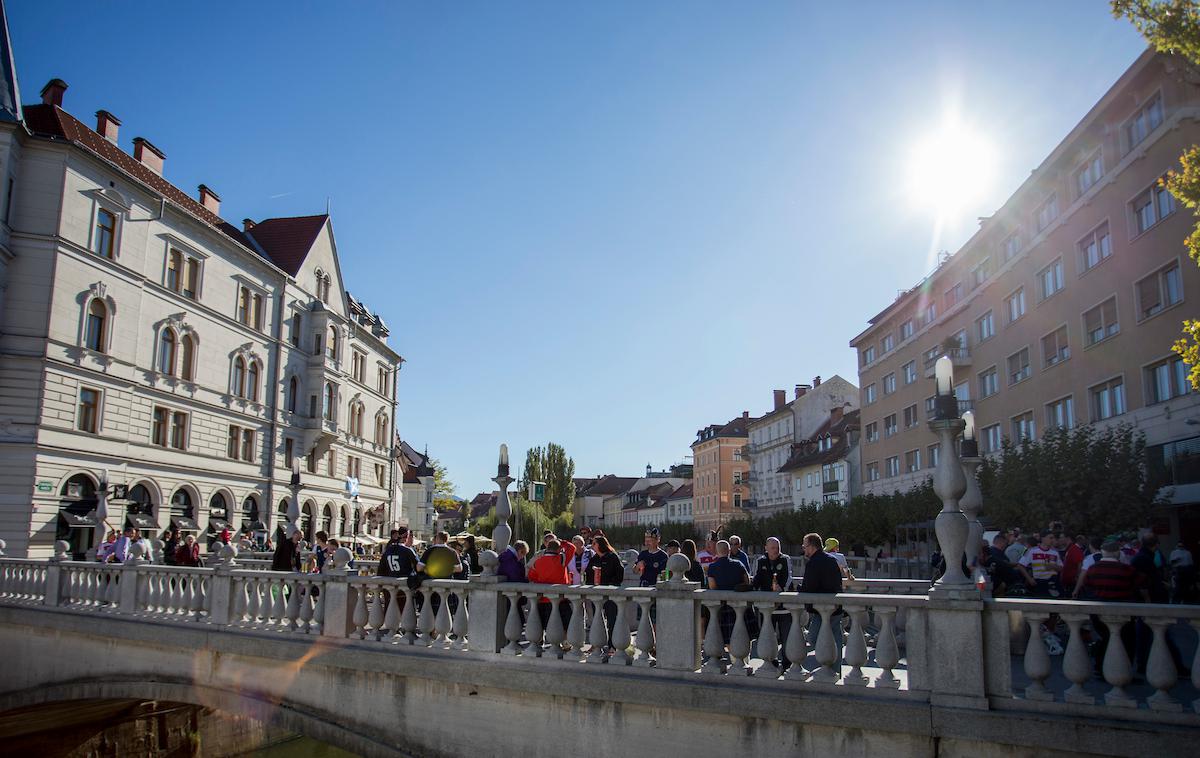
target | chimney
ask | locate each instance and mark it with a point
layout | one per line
(52, 93)
(247, 224)
(800, 390)
(210, 199)
(745, 414)
(780, 399)
(148, 155)
(106, 125)
(816, 382)
(835, 416)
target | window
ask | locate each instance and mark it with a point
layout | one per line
(382, 379)
(1095, 248)
(1047, 212)
(930, 406)
(1050, 279)
(247, 444)
(358, 366)
(906, 330)
(910, 372)
(356, 419)
(737, 500)
(912, 461)
(239, 376)
(889, 342)
(889, 384)
(1014, 305)
(187, 366)
(252, 382)
(1140, 124)
(243, 306)
(94, 334)
(1100, 322)
(257, 306)
(933, 353)
(179, 430)
(1022, 427)
(873, 431)
(318, 343)
(158, 426)
(174, 270)
(1151, 207)
(331, 347)
(872, 472)
(381, 473)
(104, 241)
(1018, 366)
(990, 439)
(911, 418)
(183, 273)
(1055, 347)
(289, 451)
(869, 394)
(889, 425)
(1089, 173)
(329, 404)
(981, 272)
(954, 295)
(737, 477)
(986, 326)
(89, 410)
(293, 391)
(989, 383)
(930, 313)
(893, 466)
(166, 352)
(934, 455)
(1166, 379)
(1011, 246)
(233, 442)
(191, 278)
(1061, 413)
(310, 462)
(296, 329)
(1107, 399)
(330, 463)
(868, 355)
(1159, 291)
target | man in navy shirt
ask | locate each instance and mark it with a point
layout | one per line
(652, 561)
(726, 574)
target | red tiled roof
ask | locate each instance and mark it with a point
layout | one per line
(683, 491)
(611, 485)
(805, 452)
(288, 240)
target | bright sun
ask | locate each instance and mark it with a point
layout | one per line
(950, 169)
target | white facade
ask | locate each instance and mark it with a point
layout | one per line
(140, 337)
(770, 443)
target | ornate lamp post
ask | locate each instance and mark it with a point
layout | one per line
(949, 481)
(972, 500)
(502, 533)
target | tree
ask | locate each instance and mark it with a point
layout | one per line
(443, 488)
(1173, 26)
(552, 466)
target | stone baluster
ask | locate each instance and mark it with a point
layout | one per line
(575, 628)
(1117, 670)
(112, 592)
(621, 637)
(306, 607)
(318, 614)
(200, 604)
(253, 600)
(645, 632)
(375, 612)
(191, 598)
(1077, 664)
(425, 622)
(237, 610)
(714, 644)
(768, 643)
(1160, 667)
(279, 607)
(156, 601)
(512, 625)
(887, 652)
(93, 587)
(533, 626)
(462, 622)
(1037, 660)
(391, 617)
(408, 617)
(441, 623)
(830, 669)
(555, 633)
(856, 648)
(360, 611)
(739, 640)
(598, 635)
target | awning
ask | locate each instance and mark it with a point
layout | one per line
(184, 524)
(75, 521)
(217, 525)
(142, 520)
(254, 526)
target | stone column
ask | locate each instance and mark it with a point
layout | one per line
(502, 533)
(220, 591)
(677, 635)
(951, 525)
(55, 575)
(335, 596)
(485, 626)
(972, 504)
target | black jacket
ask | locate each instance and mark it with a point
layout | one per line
(766, 569)
(287, 556)
(612, 573)
(821, 574)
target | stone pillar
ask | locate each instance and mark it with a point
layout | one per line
(220, 590)
(131, 577)
(335, 596)
(972, 504)
(677, 634)
(55, 575)
(951, 525)
(502, 533)
(949, 636)
(485, 626)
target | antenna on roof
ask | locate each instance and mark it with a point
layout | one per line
(328, 205)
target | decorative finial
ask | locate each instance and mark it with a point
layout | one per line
(502, 469)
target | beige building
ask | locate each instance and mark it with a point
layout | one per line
(720, 482)
(1062, 308)
(149, 345)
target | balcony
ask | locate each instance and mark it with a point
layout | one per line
(831, 487)
(959, 356)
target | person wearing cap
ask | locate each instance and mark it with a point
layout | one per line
(652, 561)
(709, 553)
(831, 549)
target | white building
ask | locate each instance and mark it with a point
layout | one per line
(679, 505)
(824, 466)
(415, 482)
(150, 345)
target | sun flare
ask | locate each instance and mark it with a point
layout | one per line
(950, 169)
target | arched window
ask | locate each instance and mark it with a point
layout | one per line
(97, 320)
(239, 376)
(327, 408)
(140, 501)
(166, 352)
(327, 519)
(188, 366)
(181, 504)
(217, 507)
(356, 419)
(250, 509)
(252, 381)
(331, 347)
(293, 391)
(381, 425)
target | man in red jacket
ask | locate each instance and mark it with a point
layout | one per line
(551, 568)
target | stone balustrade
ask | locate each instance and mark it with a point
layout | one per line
(887, 636)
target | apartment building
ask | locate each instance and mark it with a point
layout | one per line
(770, 442)
(150, 347)
(720, 485)
(824, 467)
(1062, 308)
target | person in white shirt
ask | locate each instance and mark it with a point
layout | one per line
(831, 549)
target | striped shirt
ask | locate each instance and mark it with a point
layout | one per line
(1041, 563)
(1111, 580)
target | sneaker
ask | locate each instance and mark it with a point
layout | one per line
(1053, 644)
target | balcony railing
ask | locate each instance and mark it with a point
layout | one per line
(959, 356)
(831, 487)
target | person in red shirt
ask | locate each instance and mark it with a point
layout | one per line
(188, 554)
(551, 568)
(1073, 557)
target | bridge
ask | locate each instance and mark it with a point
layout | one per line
(451, 668)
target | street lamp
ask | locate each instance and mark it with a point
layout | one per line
(949, 481)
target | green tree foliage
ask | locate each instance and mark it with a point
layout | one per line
(443, 487)
(529, 521)
(1173, 26)
(552, 466)
(1093, 480)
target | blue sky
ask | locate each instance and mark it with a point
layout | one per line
(602, 224)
